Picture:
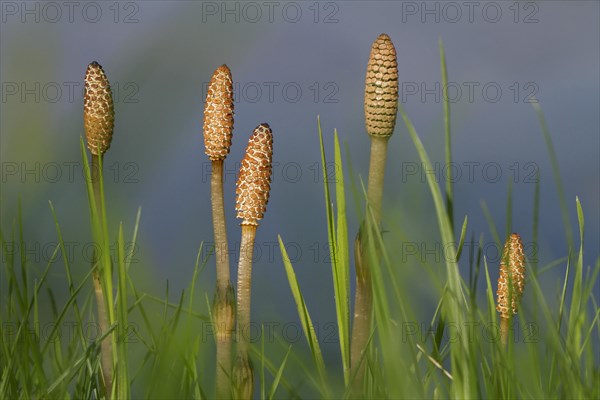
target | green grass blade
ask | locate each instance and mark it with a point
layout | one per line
(588, 335)
(461, 241)
(563, 296)
(23, 257)
(9, 266)
(123, 390)
(76, 310)
(101, 238)
(492, 224)
(56, 328)
(576, 315)
(16, 352)
(341, 264)
(89, 190)
(338, 242)
(273, 370)
(590, 282)
(455, 304)
(536, 220)
(489, 293)
(262, 363)
(278, 375)
(556, 173)
(197, 271)
(509, 202)
(447, 137)
(77, 364)
(328, 204)
(129, 255)
(305, 320)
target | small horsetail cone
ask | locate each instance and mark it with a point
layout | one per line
(98, 111)
(253, 186)
(512, 270)
(511, 282)
(218, 114)
(381, 88)
(254, 181)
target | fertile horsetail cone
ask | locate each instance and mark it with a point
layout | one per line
(98, 110)
(511, 281)
(254, 181)
(381, 88)
(218, 114)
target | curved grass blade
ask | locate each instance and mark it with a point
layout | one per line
(455, 303)
(305, 320)
(275, 383)
(556, 173)
(447, 137)
(123, 390)
(461, 241)
(341, 263)
(338, 239)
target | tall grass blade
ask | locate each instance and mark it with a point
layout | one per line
(305, 320)
(491, 223)
(77, 364)
(464, 383)
(556, 173)
(277, 378)
(536, 221)
(338, 243)
(509, 206)
(447, 137)
(123, 390)
(461, 240)
(23, 256)
(341, 264)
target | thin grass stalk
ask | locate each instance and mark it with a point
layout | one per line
(454, 300)
(307, 325)
(447, 136)
(123, 384)
(564, 209)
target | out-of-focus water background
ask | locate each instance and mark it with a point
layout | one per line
(292, 62)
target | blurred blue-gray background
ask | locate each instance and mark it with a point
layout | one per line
(292, 62)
